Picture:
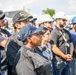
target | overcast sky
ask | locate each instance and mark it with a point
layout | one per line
(36, 6)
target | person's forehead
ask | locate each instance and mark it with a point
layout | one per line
(25, 20)
(48, 25)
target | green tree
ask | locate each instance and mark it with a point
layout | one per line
(51, 12)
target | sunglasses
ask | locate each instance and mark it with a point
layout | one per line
(62, 19)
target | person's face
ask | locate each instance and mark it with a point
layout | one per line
(46, 36)
(48, 25)
(34, 23)
(21, 24)
(1, 22)
(74, 26)
(62, 22)
(36, 39)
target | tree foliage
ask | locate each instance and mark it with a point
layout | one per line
(49, 11)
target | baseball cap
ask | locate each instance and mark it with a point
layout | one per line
(20, 16)
(44, 18)
(32, 19)
(60, 15)
(28, 30)
(2, 15)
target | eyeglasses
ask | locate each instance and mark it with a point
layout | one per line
(64, 20)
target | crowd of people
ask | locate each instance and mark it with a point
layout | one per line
(36, 48)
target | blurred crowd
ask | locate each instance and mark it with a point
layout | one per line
(37, 46)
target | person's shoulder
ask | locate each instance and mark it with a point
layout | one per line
(21, 54)
(66, 31)
(23, 49)
(6, 32)
(71, 31)
(13, 37)
(55, 29)
(54, 32)
(14, 41)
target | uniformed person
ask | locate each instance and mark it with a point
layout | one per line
(62, 46)
(4, 34)
(46, 21)
(27, 62)
(73, 35)
(20, 19)
(45, 49)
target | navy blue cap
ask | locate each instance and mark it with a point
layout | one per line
(32, 19)
(28, 30)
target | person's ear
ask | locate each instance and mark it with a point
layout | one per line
(16, 25)
(29, 39)
(3, 43)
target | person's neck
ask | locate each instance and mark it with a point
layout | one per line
(44, 43)
(17, 30)
(30, 46)
(74, 30)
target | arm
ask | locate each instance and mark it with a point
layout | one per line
(3, 43)
(55, 49)
(53, 43)
(11, 51)
(71, 48)
(58, 52)
(71, 44)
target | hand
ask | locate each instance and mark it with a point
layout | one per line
(68, 57)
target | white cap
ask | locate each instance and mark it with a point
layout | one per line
(60, 15)
(44, 18)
